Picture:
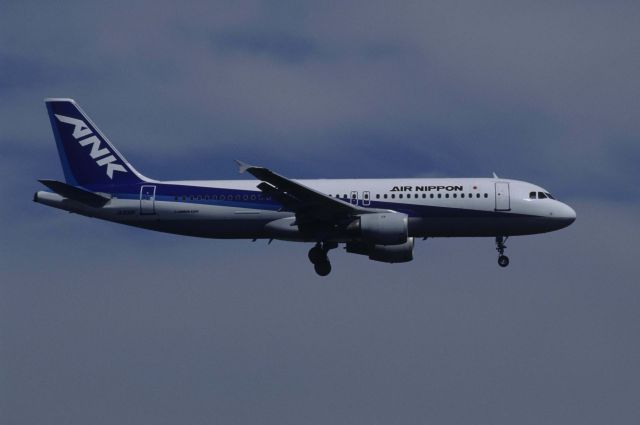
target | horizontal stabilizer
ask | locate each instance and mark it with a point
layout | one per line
(84, 196)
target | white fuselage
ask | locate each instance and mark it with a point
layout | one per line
(237, 209)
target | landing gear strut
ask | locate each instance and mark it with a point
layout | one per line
(503, 260)
(319, 259)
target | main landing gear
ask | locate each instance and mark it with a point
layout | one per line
(503, 260)
(319, 259)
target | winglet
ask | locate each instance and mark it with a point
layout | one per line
(243, 166)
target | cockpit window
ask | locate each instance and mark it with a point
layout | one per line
(532, 195)
(541, 195)
(549, 195)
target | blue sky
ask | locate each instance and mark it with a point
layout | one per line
(106, 324)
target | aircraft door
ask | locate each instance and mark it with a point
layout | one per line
(354, 197)
(503, 202)
(147, 199)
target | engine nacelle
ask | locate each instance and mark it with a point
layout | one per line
(400, 253)
(390, 228)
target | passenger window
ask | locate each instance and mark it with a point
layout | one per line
(446, 196)
(400, 196)
(439, 195)
(532, 195)
(431, 195)
(541, 195)
(486, 195)
(378, 196)
(393, 196)
(462, 195)
(385, 196)
(455, 195)
(424, 195)
(477, 195)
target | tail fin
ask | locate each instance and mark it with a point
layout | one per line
(87, 156)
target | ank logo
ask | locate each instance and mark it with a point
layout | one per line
(102, 156)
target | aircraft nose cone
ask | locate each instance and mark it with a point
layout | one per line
(567, 214)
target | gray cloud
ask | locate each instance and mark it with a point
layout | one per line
(278, 46)
(496, 84)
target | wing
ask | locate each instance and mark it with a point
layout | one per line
(306, 203)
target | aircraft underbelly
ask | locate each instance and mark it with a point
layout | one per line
(215, 221)
(478, 226)
(208, 221)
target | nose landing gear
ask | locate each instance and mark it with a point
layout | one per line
(319, 259)
(503, 260)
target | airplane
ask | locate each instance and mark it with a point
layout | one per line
(378, 218)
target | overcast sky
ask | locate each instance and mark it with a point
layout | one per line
(104, 324)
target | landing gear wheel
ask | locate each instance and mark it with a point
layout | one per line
(319, 259)
(317, 255)
(323, 268)
(503, 261)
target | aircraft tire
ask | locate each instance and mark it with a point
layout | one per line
(317, 255)
(323, 268)
(503, 261)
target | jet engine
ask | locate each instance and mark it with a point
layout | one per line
(400, 253)
(381, 228)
